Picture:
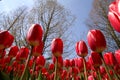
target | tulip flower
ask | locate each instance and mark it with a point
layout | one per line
(40, 61)
(81, 49)
(66, 63)
(117, 56)
(72, 62)
(114, 15)
(91, 77)
(2, 53)
(34, 35)
(109, 59)
(37, 50)
(6, 39)
(7, 60)
(79, 63)
(13, 51)
(59, 61)
(22, 54)
(64, 74)
(95, 59)
(102, 70)
(57, 47)
(51, 67)
(96, 40)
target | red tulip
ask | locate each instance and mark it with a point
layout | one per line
(72, 62)
(6, 39)
(37, 50)
(57, 47)
(22, 54)
(95, 59)
(66, 63)
(40, 61)
(7, 60)
(64, 74)
(109, 59)
(90, 77)
(117, 56)
(102, 70)
(9, 69)
(2, 64)
(81, 49)
(79, 63)
(51, 67)
(13, 51)
(34, 35)
(114, 15)
(59, 61)
(2, 53)
(74, 71)
(96, 40)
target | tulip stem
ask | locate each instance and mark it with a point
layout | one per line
(32, 76)
(99, 75)
(106, 68)
(55, 75)
(85, 71)
(24, 71)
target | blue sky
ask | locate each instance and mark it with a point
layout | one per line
(79, 8)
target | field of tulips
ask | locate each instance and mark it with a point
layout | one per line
(29, 64)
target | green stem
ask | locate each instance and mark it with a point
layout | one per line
(85, 71)
(32, 75)
(29, 56)
(100, 78)
(106, 68)
(55, 76)
(40, 76)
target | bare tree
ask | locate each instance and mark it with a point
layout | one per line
(55, 20)
(98, 19)
(53, 17)
(16, 24)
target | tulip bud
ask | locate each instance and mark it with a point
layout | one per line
(102, 70)
(114, 15)
(59, 61)
(7, 60)
(95, 59)
(117, 56)
(79, 63)
(109, 59)
(34, 35)
(72, 62)
(51, 67)
(40, 61)
(66, 63)
(81, 49)
(57, 47)
(90, 77)
(64, 74)
(6, 39)
(96, 41)
(13, 51)
(37, 50)
(22, 54)
(2, 53)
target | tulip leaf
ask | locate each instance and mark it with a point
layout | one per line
(4, 76)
